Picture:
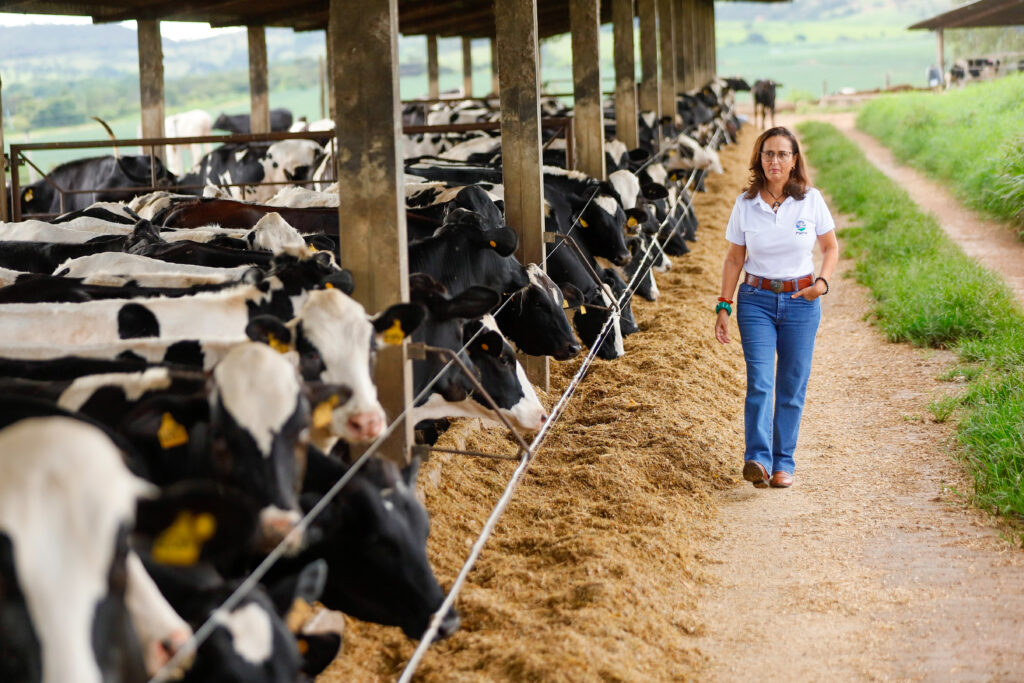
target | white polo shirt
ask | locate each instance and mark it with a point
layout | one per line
(779, 245)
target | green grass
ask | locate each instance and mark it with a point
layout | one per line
(928, 293)
(970, 138)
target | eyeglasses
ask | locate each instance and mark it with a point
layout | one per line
(772, 156)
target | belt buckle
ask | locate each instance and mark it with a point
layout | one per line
(776, 285)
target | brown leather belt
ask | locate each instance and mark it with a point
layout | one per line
(779, 285)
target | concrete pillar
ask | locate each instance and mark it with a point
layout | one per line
(519, 70)
(372, 232)
(712, 49)
(625, 73)
(666, 34)
(649, 94)
(259, 97)
(5, 211)
(467, 67)
(588, 124)
(690, 43)
(433, 70)
(494, 67)
(331, 104)
(942, 54)
(151, 82)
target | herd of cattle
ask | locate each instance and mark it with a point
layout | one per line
(183, 377)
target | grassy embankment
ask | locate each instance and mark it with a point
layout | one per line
(972, 139)
(929, 293)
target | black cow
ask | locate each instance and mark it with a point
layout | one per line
(463, 252)
(374, 537)
(106, 175)
(280, 120)
(764, 97)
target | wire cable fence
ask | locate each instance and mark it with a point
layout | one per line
(527, 455)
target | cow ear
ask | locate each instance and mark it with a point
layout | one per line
(638, 155)
(502, 240)
(271, 331)
(489, 342)
(341, 279)
(654, 191)
(411, 472)
(320, 242)
(144, 233)
(636, 217)
(399, 321)
(473, 302)
(324, 398)
(571, 295)
(253, 276)
(196, 521)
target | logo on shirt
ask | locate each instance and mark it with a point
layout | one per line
(801, 227)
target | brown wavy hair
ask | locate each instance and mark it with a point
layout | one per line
(798, 182)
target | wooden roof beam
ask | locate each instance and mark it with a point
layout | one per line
(160, 10)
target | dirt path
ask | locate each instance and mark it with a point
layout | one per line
(868, 568)
(994, 245)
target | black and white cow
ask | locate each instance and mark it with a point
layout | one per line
(464, 252)
(373, 537)
(280, 120)
(76, 605)
(108, 176)
(249, 164)
(490, 357)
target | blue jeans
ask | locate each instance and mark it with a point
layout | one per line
(775, 326)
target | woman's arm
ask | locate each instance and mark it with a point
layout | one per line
(734, 259)
(830, 257)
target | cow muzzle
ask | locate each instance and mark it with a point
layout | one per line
(276, 526)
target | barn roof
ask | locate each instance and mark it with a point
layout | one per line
(474, 18)
(978, 14)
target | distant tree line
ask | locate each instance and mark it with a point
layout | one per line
(45, 104)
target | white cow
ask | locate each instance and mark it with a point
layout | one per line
(188, 124)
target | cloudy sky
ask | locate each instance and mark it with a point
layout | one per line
(175, 30)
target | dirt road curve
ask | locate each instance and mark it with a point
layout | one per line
(994, 245)
(869, 568)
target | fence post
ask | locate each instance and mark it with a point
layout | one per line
(4, 216)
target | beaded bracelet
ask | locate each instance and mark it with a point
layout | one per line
(823, 280)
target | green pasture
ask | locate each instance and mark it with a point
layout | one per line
(970, 138)
(928, 293)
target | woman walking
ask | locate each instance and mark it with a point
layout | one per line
(772, 231)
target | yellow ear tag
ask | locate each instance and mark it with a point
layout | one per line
(312, 249)
(394, 334)
(485, 347)
(328, 285)
(632, 222)
(171, 433)
(278, 345)
(584, 223)
(181, 543)
(302, 646)
(494, 245)
(28, 196)
(322, 412)
(583, 310)
(565, 304)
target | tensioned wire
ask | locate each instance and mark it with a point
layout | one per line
(206, 629)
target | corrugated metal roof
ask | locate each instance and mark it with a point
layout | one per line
(978, 14)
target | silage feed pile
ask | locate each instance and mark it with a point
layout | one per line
(593, 571)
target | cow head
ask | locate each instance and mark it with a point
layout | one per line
(374, 540)
(601, 228)
(335, 341)
(535, 319)
(503, 378)
(63, 612)
(442, 328)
